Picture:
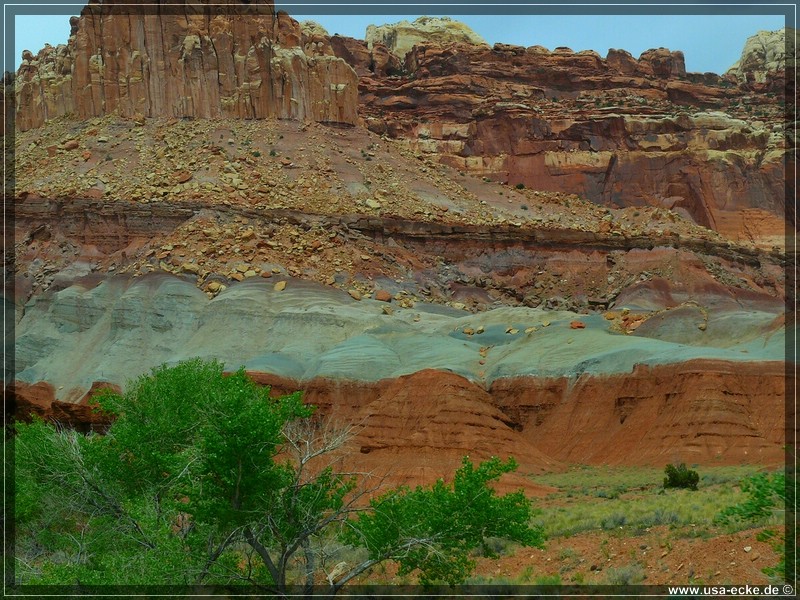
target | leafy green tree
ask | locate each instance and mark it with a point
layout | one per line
(435, 529)
(203, 479)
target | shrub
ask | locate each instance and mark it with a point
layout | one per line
(273, 153)
(520, 186)
(680, 476)
(627, 575)
(767, 496)
(614, 521)
(764, 494)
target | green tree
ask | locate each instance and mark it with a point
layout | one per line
(435, 529)
(203, 479)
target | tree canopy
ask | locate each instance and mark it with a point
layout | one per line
(204, 479)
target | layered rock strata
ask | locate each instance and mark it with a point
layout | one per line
(415, 429)
(618, 131)
(240, 61)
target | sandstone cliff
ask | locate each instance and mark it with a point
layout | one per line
(240, 60)
(400, 37)
(619, 131)
(765, 54)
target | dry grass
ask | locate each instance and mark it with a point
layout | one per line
(633, 498)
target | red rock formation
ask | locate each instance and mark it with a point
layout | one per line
(418, 427)
(701, 411)
(708, 412)
(618, 131)
(240, 60)
(377, 61)
(535, 267)
(23, 401)
(415, 429)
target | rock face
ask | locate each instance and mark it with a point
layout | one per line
(414, 429)
(698, 411)
(618, 131)
(240, 60)
(367, 60)
(447, 314)
(400, 37)
(24, 401)
(90, 331)
(765, 54)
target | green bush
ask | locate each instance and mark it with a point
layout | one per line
(767, 496)
(680, 476)
(520, 186)
(765, 493)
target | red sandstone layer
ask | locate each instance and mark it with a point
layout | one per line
(415, 429)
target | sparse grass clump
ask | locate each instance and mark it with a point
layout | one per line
(626, 575)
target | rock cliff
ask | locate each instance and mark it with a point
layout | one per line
(400, 37)
(427, 385)
(198, 61)
(514, 256)
(618, 131)
(766, 54)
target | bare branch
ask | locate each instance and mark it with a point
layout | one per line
(217, 553)
(263, 553)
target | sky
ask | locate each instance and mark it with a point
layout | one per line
(709, 42)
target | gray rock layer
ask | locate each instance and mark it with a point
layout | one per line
(122, 328)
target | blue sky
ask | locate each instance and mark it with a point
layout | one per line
(709, 42)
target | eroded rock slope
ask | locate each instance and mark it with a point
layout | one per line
(465, 250)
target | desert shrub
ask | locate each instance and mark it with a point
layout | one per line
(520, 186)
(626, 575)
(680, 476)
(614, 521)
(661, 516)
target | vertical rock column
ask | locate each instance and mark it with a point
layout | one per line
(242, 61)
